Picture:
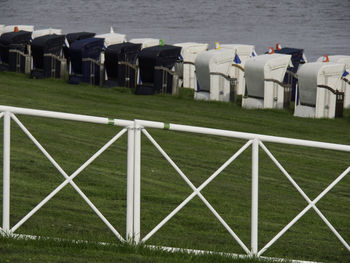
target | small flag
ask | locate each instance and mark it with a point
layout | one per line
(161, 42)
(345, 74)
(278, 46)
(325, 58)
(271, 51)
(236, 59)
(217, 45)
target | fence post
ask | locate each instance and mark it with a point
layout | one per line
(6, 174)
(130, 186)
(137, 182)
(255, 197)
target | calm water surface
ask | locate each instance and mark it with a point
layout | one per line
(320, 27)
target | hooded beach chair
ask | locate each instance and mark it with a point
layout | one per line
(15, 51)
(212, 72)
(156, 70)
(264, 76)
(186, 67)
(48, 60)
(85, 61)
(120, 64)
(319, 90)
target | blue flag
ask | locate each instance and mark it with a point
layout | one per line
(345, 74)
(236, 59)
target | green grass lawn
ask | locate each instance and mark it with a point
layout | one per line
(104, 182)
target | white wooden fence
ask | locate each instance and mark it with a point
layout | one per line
(134, 129)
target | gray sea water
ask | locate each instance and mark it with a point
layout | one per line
(319, 26)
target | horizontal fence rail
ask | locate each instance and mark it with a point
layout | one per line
(134, 129)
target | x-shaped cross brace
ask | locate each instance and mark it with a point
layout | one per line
(68, 179)
(311, 204)
(196, 191)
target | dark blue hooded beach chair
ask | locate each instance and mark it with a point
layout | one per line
(85, 61)
(297, 59)
(14, 52)
(155, 65)
(47, 57)
(72, 37)
(120, 64)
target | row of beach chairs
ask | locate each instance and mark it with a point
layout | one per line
(272, 80)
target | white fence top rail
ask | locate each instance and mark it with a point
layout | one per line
(175, 127)
(66, 116)
(242, 135)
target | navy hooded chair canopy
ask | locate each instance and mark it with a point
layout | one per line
(13, 40)
(297, 59)
(79, 52)
(47, 57)
(122, 75)
(85, 48)
(151, 78)
(48, 44)
(72, 37)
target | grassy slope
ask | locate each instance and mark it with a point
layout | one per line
(52, 251)
(32, 177)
